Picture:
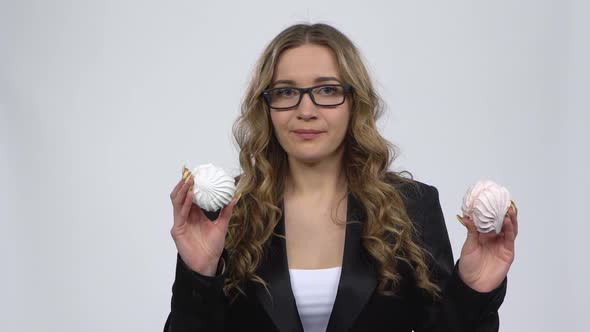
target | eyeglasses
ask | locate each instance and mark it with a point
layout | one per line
(283, 98)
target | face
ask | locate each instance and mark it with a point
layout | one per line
(305, 66)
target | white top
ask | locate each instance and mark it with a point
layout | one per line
(315, 292)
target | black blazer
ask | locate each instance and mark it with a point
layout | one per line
(198, 302)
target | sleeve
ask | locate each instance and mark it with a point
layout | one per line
(460, 307)
(198, 302)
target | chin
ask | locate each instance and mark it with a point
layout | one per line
(307, 159)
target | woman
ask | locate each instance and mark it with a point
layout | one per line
(324, 237)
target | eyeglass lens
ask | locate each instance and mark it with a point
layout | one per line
(287, 97)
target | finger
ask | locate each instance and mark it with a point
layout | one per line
(515, 224)
(188, 198)
(180, 198)
(513, 205)
(176, 189)
(509, 233)
(178, 185)
(461, 220)
(513, 214)
(472, 241)
(226, 212)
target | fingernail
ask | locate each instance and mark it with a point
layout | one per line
(188, 178)
(460, 220)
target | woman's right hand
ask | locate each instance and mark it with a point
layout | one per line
(199, 241)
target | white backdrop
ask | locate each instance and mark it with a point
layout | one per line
(102, 101)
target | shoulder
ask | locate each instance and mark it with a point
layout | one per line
(414, 193)
(422, 204)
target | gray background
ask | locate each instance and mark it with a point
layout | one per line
(102, 101)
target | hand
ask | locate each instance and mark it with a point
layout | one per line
(199, 242)
(486, 257)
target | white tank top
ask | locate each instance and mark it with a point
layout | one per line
(315, 292)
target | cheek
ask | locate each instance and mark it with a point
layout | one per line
(279, 124)
(341, 121)
(276, 121)
(279, 118)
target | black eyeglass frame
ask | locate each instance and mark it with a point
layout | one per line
(266, 94)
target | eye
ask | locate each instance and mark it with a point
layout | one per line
(328, 90)
(285, 92)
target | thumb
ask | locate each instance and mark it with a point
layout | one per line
(226, 212)
(472, 241)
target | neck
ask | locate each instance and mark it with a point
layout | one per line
(317, 180)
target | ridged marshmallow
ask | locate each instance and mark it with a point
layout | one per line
(486, 203)
(213, 188)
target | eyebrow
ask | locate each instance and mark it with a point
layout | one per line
(317, 80)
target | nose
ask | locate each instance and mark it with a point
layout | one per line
(306, 109)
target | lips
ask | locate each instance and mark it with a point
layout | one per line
(307, 131)
(307, 134)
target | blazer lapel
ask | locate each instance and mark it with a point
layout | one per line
(358, 278)
(274, 269)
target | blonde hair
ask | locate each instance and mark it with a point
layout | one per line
(366, 160)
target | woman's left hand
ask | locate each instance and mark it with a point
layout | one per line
(486, 257)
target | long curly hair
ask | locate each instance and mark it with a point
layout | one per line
(366, 160)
